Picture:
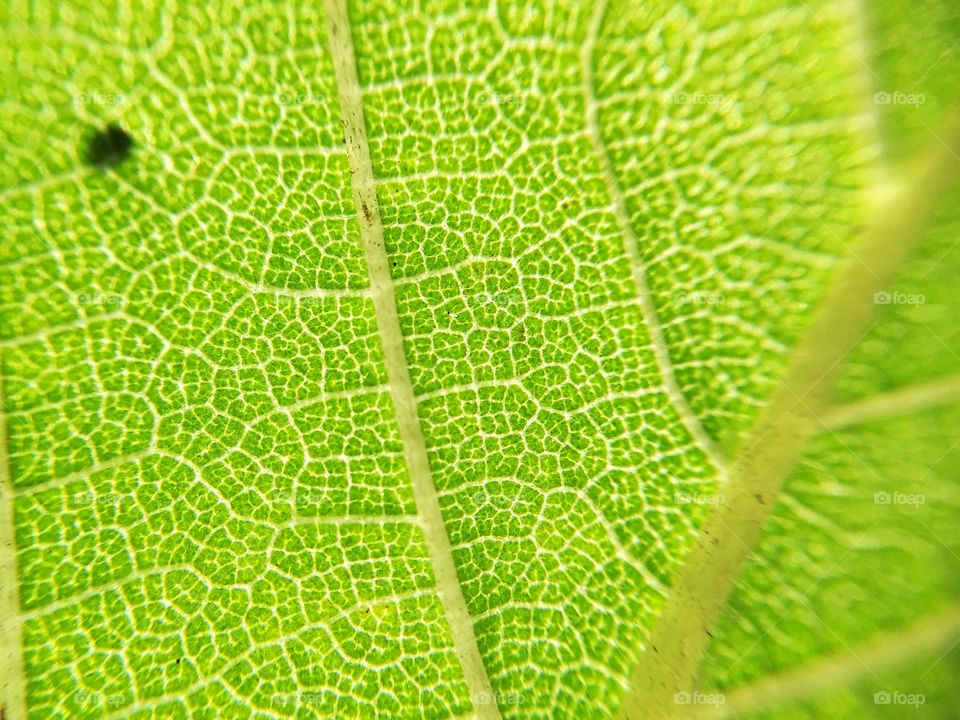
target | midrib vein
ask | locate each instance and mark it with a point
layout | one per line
(632, 248)
(398, 372)
(13, 698)
(885, 653)
(671, 661)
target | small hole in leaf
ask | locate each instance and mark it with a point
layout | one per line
(109, 147)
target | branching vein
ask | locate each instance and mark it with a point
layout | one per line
(671, 661)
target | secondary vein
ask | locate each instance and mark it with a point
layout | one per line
(890, 651)
(632, 247)
(398, 371)
(13, 698)
(913, 398)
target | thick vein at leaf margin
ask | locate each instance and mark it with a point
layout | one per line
(671, 660)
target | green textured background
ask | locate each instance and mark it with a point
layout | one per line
(213, 516)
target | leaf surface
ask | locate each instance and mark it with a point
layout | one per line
(395, 370)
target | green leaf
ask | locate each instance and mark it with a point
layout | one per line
(403, 364)
(849, 606)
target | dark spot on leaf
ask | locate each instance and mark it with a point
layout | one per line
(366, 212)
(759, 498)
(109, 147)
